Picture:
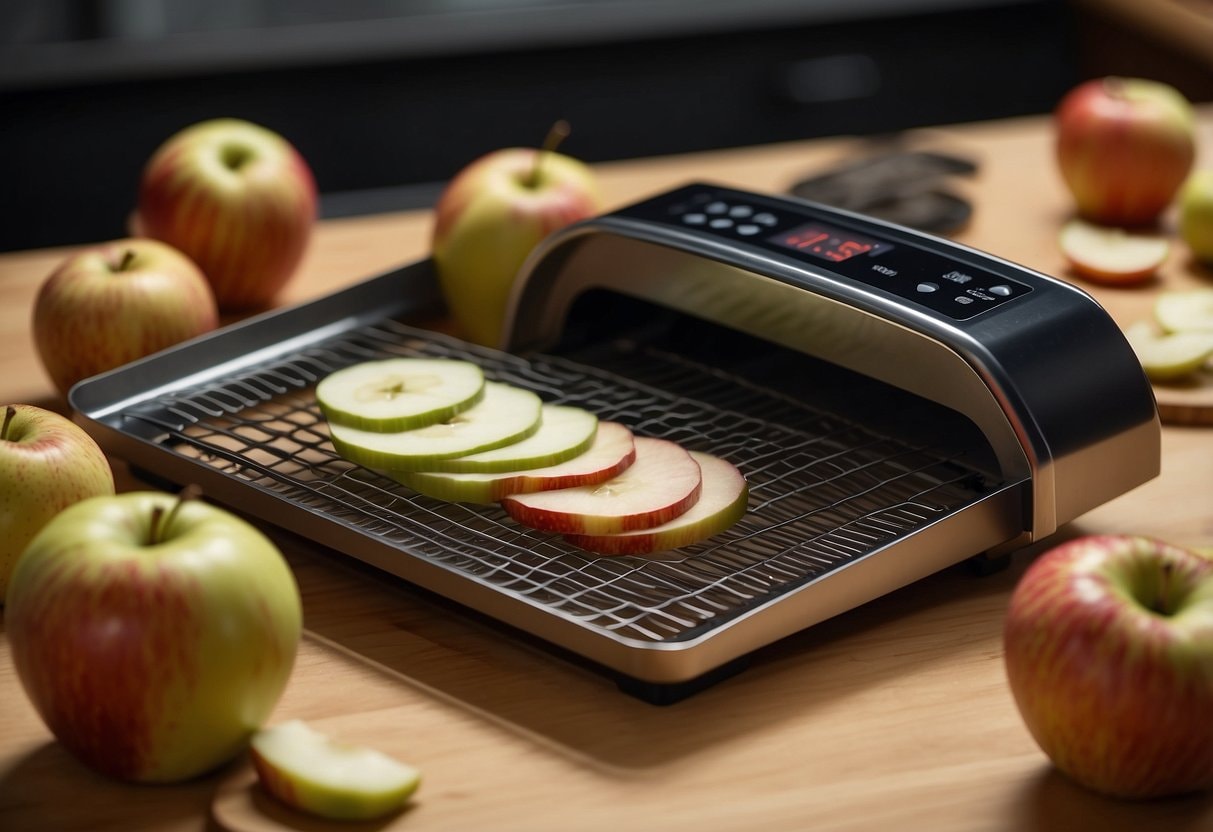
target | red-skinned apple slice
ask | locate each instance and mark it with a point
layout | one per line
(661, 484)
(610, 454)
(1112, 255)
(721, 504)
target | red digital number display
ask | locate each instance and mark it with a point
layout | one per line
(827, 243)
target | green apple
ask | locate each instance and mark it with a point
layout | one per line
(1109, 654)
(107, 305)
(1168, 356)
(400, 393)
(611, 452)
(308, 770)
(238, 199)
(721, 504)
(662, 483)
(153, 634)
(504, 415)
(489, 218)
(48, 464)
(1196, 215)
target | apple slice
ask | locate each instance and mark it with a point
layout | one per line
(308, 770)
(506, 414)
(399, 393)
(612, 451)
(661, 484)
(1187, 311)
(722, 503)
(1169, 356)
(563, 433)
(1112, 255)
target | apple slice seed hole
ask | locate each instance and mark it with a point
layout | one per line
(235, 156)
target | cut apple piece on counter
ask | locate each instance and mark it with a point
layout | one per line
(506, 414)
(610, 454)
(1112, 256)
(399, 393)
(1185, 311)
(1169, 356)
(564, 432)
(308, 770)
(721, 504)
(661, 484)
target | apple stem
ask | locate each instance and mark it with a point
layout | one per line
(9, 413)
(161, 523)
(1163, 603)
(559, 132)
(128, 257)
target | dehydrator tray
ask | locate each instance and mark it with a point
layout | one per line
(235, 412)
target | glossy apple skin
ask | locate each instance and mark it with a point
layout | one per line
(490, 217)
(1196, 215)
(1124, 147)
(95, 313)
(239, 200)
(152, 663)
(47, 463)
(1120, 697)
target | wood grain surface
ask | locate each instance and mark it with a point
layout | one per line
(893, 716)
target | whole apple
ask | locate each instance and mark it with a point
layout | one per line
(47, 463)
(153, 634)
(1124, 146)
(489, 218)
(238, 199)
(1196, 215)
(1109, 654)
(110, 304)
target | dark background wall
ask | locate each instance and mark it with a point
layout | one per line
(387, 107)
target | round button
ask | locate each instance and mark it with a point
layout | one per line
(1000, 290)
(740, 211)
(928, 287)
(748, 229)
(694, 219)
(717, 207)
(721, 222)
(765, 218)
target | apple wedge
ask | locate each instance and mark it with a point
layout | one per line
(1169, 356)
(506, 414)
(612, 451)
(1112, 256)
(564, 432)
(1186, 311)
(399, 393)
(308, 770)
(721, 504)
(661, 484)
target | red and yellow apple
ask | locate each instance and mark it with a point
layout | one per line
(1124, 146)
(490, 217)
(111, 304)
(153, 634)
(1109, 654)
(47, 463)
(238, 199)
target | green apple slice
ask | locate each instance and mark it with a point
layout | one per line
(399, 393)
(661, 484)
(308, 770)
(564, 432)
(721, 504)
(1169, 356)
(1188, 311)
(506, 414)
(612, 451)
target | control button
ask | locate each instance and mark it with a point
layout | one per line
(721, 222)
(963, 300)
(765, 218)
(716, 207)
(748, 230)
(694, 219)
(1000, 290)
(740, 212)
(928, 287)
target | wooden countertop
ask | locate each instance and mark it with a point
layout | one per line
(893, 716)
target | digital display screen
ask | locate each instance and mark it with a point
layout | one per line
(828, 243)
